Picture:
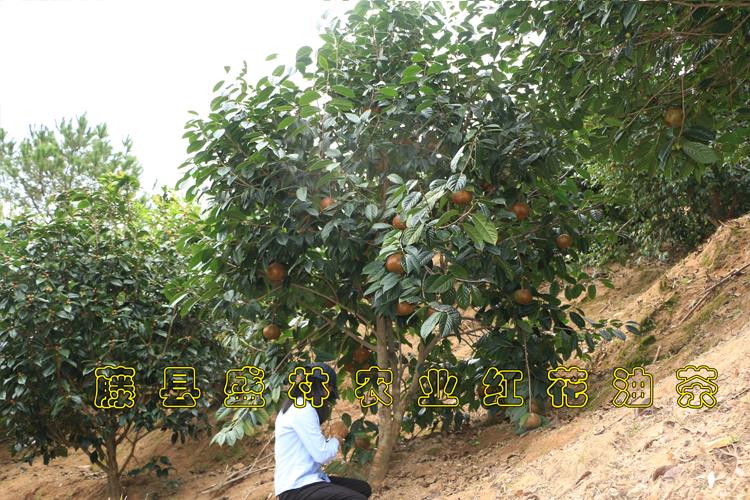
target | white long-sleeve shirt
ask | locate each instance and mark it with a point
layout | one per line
(300, 449)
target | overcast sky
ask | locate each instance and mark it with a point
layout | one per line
(139, 66)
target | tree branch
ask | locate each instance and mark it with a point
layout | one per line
(342, 306)
(346, 330)
(133, 443)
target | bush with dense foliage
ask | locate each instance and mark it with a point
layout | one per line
(85, 289)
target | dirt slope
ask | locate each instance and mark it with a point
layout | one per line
(663, 452)
(695, 312)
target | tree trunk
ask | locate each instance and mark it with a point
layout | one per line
(389, 429)
(389, 418)
(114, 488)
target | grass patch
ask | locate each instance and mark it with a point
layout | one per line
(706, 312)
(669, 304)
(648, 324)
(640, 359)
(647, 341)
(644, 279)
(638, 354)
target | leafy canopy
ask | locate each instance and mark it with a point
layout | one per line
(48, 162)
(85, 289)
(397, 111)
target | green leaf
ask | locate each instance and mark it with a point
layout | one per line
(388, 91)
(341, 103)
(371, 211)
(411, 200)
(485, 228)
(618, 333)
(412, 234)
(452, 321)
(430, 324)
(524, 326)
(632, 328)
(446, 217)
(308, 97)
(344, 91)
(577, 319)
(436, 68)
(285, 122)
(439, 284)
(304, 51)
(454, 162)
(628, 13)
(308, 111)
(373, 267)
(302, 193)
(474, 233)
(698, 133)
(390, 280)
(700, 153)
(410, 74)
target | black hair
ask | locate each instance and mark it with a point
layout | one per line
(324, 412)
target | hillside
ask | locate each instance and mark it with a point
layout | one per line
(695, 312)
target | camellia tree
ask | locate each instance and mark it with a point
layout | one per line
(385, 198)
(650, 98)
(86, 289)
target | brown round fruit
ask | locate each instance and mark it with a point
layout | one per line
(488, 188)
(532, 422)
(521, 210)
(536, 406)
(276, 272)
(430, 311)
(404, 308)
(272, 332)
(361, 354)
(393, 263)
(522, 296)
(326, 202)
(362, 442)
(564, 241)
(398, 223)
(462, 197)
(674, 117)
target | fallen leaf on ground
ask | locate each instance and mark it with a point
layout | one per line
(711, 479)
(722, 442)
(660, 471)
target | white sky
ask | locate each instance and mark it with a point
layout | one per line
(139, 66)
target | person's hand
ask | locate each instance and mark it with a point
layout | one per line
(339, 430)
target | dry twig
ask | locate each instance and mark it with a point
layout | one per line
(704, 297)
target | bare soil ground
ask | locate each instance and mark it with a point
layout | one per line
(695, 312)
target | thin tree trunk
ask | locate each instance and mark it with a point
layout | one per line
(114, 488)
(389, 427)
(391, 418)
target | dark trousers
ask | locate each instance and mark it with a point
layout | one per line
(340, 488)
